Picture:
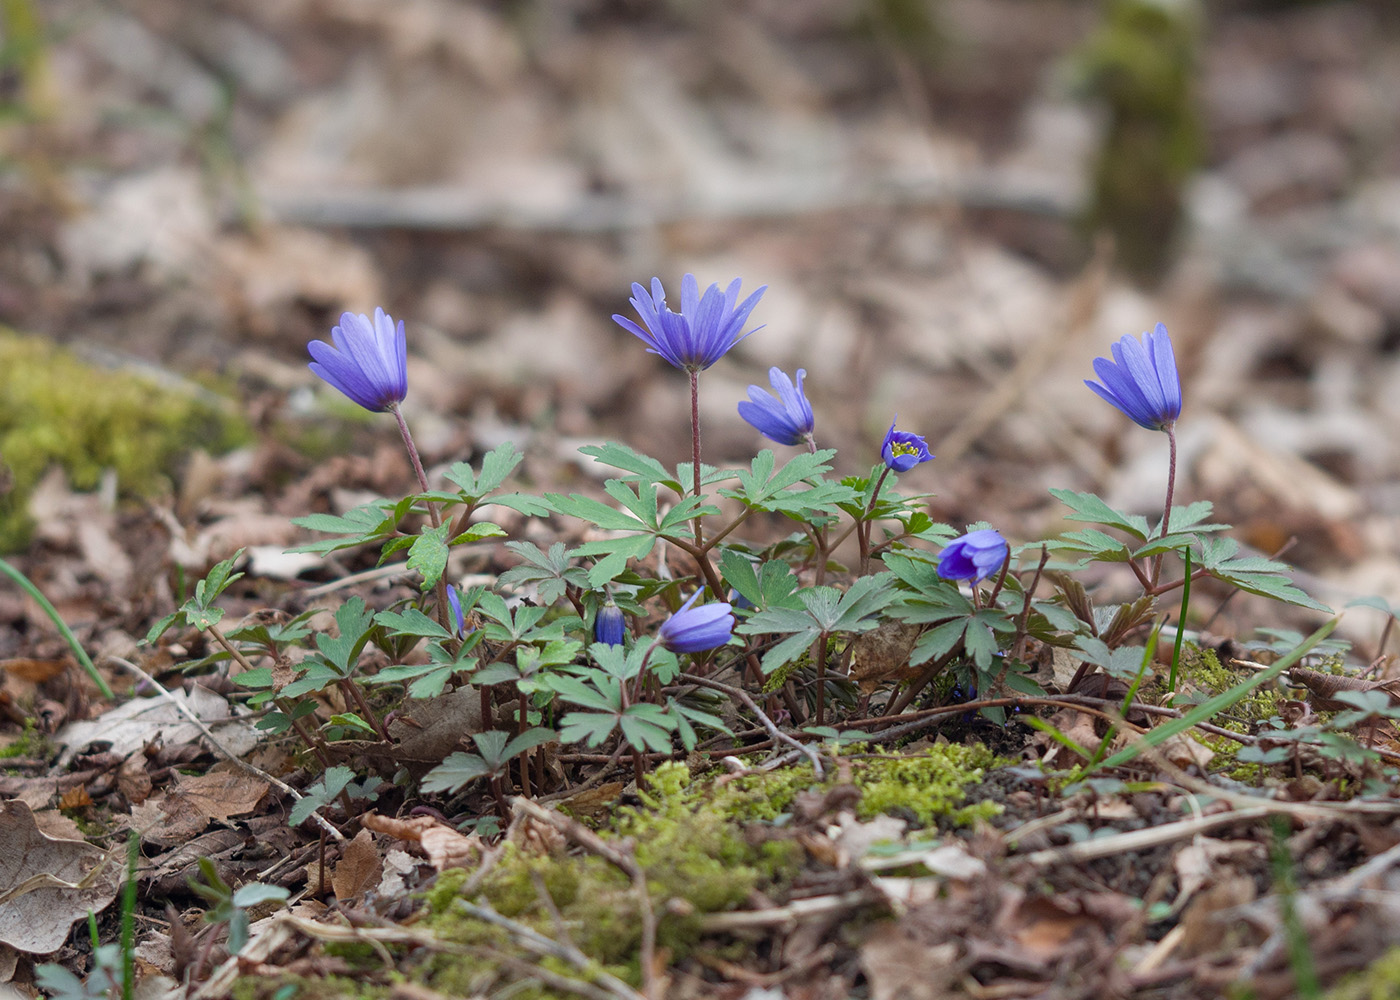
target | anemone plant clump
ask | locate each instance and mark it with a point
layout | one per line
(588, 653)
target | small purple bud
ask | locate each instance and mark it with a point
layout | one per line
(454, 602)
(610, 626)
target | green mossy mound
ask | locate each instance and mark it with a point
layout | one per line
(58, 410)
(706, 846)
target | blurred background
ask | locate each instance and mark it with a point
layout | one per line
(955, 204)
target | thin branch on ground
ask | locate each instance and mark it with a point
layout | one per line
(625, 861)
(537, 944)
(222, 750)
(768, 724)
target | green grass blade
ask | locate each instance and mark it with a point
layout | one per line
(1220, 702)
(28, 587)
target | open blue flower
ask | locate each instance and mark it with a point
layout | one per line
(369, 362)
(1144, 383)
(973, 557)
(706, 327)
(902, 450)
(694, 630)
(610, 626)
(786, 419)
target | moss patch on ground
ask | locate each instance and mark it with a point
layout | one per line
(705, 846)
(56, 409)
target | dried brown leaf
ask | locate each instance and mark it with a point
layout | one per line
(46, 884)
(900, 967)
(358, 869)
(445, 847)
(224, 792)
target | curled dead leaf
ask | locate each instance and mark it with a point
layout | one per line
(46, 884)
(445, 847)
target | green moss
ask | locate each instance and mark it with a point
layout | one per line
(58, 410)
(1378, 981)
(30, 743)
(930, 786)
(1202, 671)
(705, 846)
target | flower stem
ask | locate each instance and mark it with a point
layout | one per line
(863, 528)
(695, 443)
(444, 611)
(1171, 489)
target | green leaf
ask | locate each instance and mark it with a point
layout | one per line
(254, 893)
(1097, 545)
(1254, 574)
(428, 556)
(332, 783)
(647, 469)
(411, 622)
(354, 621)
(604, 694)
(595, 512)
(206, 590)
(619, 552)
(202, 618)
(587, 727)
(351, 721)
(366, 523)
(478, 531)
(1087, 507)
(159, 628)
(457, 771)
(496, 465)
(760, 483)
(647, 727)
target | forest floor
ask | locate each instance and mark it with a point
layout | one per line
(190, 193)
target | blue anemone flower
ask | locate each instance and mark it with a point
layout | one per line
(610, 626)
(1144, 383)
(694, 630)
(369, 362)
(788, 418)
(902, 450)
(454, 603)
(973, 557)
(706, 327)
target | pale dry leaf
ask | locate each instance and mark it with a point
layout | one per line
(54, 824)
(131, 725)
(446, 848)
(358, 869)
(225, 791)
(36, 793)
(410, 829)
(168, 820)
(1184, 752)
(46, 884)
(900, 967)
(429, 729)
(856, 838)
(397, 865)
(905, 893)
(882, 655)
(9, 959)
(1200, 862)
(133, 780)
